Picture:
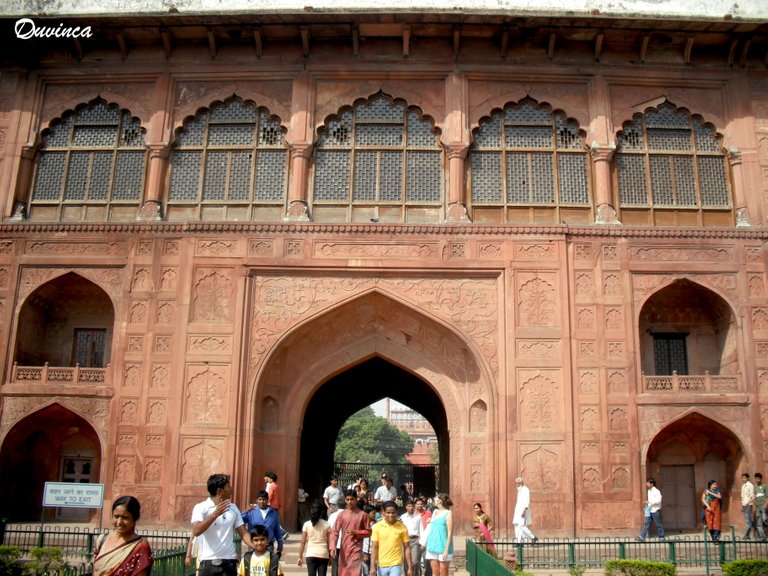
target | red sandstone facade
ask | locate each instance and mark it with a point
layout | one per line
(238, 337)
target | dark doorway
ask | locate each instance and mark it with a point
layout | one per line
(679, 497)
(346, 393)
(51, 445)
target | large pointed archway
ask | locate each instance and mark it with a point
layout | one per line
(683, 457)
(52, 444)
(343, 358)
(350, 391)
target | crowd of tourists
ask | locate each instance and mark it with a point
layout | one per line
(357, 531)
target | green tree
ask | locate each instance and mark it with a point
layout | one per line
(365, 437)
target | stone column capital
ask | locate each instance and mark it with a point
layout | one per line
(602, 152)
(457, 150)
(159, 150)
(301, 149)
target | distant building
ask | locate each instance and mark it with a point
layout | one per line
(418, 428)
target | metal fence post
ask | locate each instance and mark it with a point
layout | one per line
(3, 523)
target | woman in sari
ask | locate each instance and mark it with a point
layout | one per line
(711, 500)
(122, 552)
(483, 526)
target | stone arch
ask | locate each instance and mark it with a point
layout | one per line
(687, 307)
(511, 94)
(50, 316)
(53, 443)
(682, 101)
(408, 95)
(370, 333)
(684, 455)
(109, 97)
(224, 95)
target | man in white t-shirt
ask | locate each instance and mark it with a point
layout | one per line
(331, 523)
(412, 522)
(214, 522)
(386, 492)
(333, 495)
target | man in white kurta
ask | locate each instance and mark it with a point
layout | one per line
(522, 516)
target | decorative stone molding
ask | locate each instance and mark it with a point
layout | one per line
(94, 410)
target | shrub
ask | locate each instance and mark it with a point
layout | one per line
(746, 568)
(8, 557)
(638, 568)
(45, 560)
(577, 570)
(522, 573)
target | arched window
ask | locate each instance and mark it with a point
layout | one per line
(90, 166)
(671, 170)
(230, 162)
(378, 161)
(529, 164)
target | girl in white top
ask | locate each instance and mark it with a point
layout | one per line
(314, 540)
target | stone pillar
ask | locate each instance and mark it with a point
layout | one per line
(605, 212)
(739, 200)
(152, 208)
(24, 182)
(298, 204)
(457, 205)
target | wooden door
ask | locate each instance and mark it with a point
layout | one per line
(678, 493)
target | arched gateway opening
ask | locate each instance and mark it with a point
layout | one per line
(354, 389)
(363, 345)
(683, 457)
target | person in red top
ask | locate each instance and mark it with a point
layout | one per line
(275, 500)
(426, 515)
(351, 526)
(273, 490)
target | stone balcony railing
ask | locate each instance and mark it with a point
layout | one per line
(57, 375)
(691, 383)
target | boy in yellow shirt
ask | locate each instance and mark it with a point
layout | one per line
(259, 561)
(390, 544)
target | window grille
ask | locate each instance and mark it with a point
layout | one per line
(668, 159)
(669, 354)
(378, 154)
(91, 165)
(528, 155)
(228, 161)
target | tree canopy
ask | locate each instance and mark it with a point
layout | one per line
(366, 437)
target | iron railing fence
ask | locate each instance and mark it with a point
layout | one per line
(591, 553)
(424, 478)
(77, 543)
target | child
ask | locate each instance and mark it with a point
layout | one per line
(259, 561)
(366, 567)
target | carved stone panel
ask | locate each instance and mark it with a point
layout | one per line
(538, 303)
(213, 291)
(201, 457)
(541, 464)
(206, 390)
(541, 403)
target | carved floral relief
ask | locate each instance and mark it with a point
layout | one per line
(213, 293)
(537, 300)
